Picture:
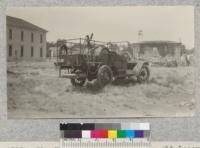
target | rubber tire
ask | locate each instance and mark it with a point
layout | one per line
(143, 80)
(106, 69)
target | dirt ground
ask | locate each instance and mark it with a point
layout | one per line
(36, 91)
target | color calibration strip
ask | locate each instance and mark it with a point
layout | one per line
(105, 130)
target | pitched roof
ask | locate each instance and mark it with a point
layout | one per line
(17, 22)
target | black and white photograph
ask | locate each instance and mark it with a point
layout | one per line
(100, 62)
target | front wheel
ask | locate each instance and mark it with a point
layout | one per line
(144, 74)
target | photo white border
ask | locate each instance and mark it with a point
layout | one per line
(48, 130)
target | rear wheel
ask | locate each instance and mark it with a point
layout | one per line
(104, 75)
(144, 74)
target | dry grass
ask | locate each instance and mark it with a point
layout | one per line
(35, 91)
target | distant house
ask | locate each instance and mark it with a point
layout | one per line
(25, 41)
(158, 51)
(53, 52)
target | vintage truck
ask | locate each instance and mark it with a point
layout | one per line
(85, 59)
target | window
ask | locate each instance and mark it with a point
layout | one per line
(41, 39)
(32, 37)
(22, 35)
(32, 52)
(10, 34)
(41, 52)
(10, 50)
(22, 51)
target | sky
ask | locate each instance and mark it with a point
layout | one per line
(174, 23)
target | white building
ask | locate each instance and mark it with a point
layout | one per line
(158, 51)
(25, 41)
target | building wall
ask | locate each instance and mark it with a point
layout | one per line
(16, 43)
(151, 54)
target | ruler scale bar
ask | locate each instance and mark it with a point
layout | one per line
(104, 143)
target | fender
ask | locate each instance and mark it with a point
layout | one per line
(138, 67)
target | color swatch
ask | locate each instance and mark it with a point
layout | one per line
(105, 130)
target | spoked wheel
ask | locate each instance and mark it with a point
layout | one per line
(104, 75)
(144, 74)
(78, 81)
